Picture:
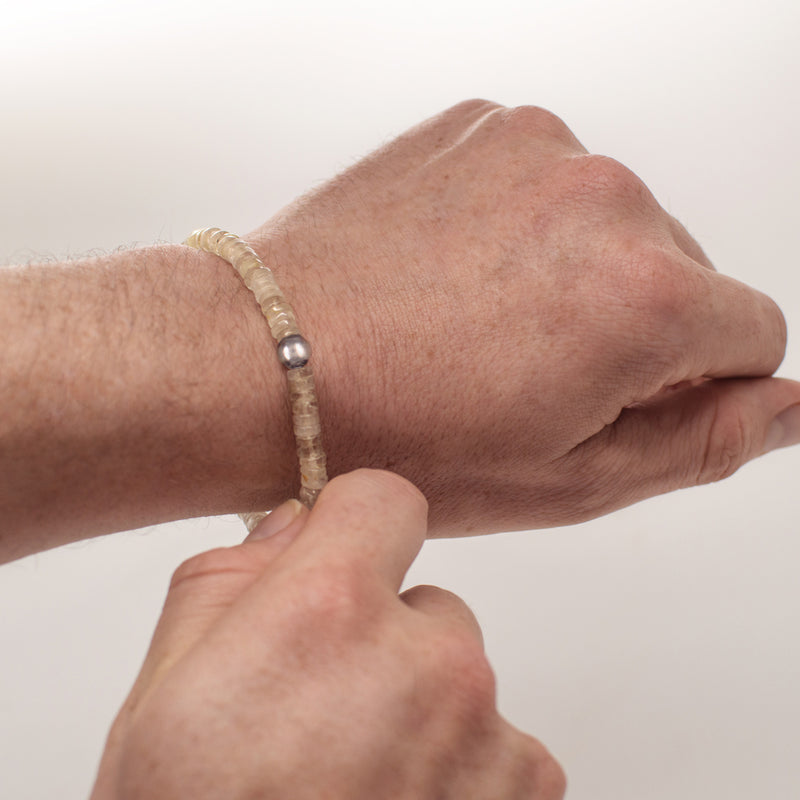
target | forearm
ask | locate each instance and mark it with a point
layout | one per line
(495, 315)
(136, 388)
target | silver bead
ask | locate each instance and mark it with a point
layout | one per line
(294, 352)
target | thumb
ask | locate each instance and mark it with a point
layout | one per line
(205, 586)
(690, 436)
(711, 430)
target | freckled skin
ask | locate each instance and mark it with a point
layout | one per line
(513, 324)
(291, 667)
(494, 314)
(517, 305)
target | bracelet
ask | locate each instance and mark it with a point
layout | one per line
(293, 352)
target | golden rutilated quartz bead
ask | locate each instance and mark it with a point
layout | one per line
(282, 324)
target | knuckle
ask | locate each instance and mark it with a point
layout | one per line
(726, 448)
(664, 289)
(661, 298)
(472, 106)
(541, 770)
(597, 176)
(220, 561)
(463, 671)
(687, 243)
(455, 122)
(335, 596)
(603, 172)
(552, 778)
(536, 121)
(778, 319)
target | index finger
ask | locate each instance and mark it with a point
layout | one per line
(371, 518)
(732, 330)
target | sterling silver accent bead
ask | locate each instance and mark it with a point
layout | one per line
(294, 352)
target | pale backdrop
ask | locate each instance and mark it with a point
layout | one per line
(655, 651)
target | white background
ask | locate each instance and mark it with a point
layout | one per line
(655, 651)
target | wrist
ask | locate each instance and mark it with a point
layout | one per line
(139, 387)
(293, 352)
(239, 422)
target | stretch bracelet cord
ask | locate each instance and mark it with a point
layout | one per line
(294, 353)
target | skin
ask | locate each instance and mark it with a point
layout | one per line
(512, 324)
(319, 680)
(544, 343)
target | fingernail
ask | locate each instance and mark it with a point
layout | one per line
(784, 430)
(279, 519)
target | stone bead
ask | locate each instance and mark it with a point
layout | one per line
(283, 325)
(281, 320)
(261, 282)
(307, 429)
(307, 424)
(308, 497)
(252, 518)
(311, 450)
(248, 261)
(248, 264)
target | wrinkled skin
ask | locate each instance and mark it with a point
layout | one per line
(499, 316)
(289, 667)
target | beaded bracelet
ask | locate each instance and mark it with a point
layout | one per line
(293, 352)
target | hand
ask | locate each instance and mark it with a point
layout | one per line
(290, 667)
(518, 328)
